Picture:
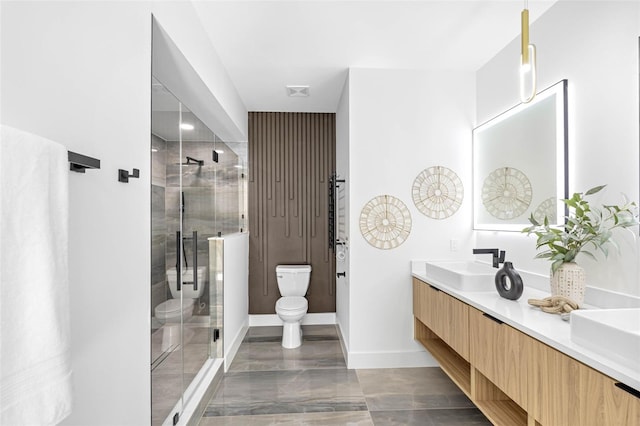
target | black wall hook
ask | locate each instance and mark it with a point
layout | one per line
(124, 175)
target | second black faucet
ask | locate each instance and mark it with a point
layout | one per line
(498, 255)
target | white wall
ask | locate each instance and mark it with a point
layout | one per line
(342, 170)
(80, 73)
(190, 68)
(400, 123)
(235, 293)
(595, 46)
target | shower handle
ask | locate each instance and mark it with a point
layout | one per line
(195, 260)
(178, 262)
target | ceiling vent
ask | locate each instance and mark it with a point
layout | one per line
(298, 91)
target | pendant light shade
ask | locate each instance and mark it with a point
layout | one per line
(527, 60)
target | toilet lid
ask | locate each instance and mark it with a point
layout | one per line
(173, 306)
(293, 269)
(291, 303)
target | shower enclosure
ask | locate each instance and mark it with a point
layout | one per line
(197, 193)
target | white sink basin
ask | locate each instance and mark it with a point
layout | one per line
(463, 275)
(614, 333)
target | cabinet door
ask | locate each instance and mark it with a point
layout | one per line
(444, 315)
(417, 299)
(501, 354)
(567, 392)
(425, 304)
(555, 397)
(454, 323)
(604, 402)
(421, 302)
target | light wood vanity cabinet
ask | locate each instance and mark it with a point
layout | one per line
(441, 324)
(424, 303)
(501, 354)
(513, 378)
(444, 315)
(566, 392)
(447, 317)
(454, 327)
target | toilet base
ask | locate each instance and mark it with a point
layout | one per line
(291, 335)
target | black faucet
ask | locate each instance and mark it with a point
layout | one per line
(498, 255)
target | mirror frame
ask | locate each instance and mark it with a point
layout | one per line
(562, 157)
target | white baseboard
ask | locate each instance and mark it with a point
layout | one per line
(359, 360)
(264, 320)
(234, 345)
(343, 344)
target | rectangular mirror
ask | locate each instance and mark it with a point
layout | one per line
(520, 163)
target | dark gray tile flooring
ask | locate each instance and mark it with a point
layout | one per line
(310, 385)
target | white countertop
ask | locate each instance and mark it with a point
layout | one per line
(547, 328)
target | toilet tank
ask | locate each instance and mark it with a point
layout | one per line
(293, 280)
(187, 278)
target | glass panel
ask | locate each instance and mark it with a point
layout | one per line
(198, 192)
(166, 321)
(198, 224)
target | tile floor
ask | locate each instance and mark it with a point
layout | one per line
(173, 373)
(310, 385)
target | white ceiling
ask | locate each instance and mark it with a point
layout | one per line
(266, 44)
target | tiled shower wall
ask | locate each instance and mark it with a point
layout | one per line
(213, 205)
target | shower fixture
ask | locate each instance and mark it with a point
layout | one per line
(192, 162)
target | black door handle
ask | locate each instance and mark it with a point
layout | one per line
(195, 260)
(484, 314)
(178, 262)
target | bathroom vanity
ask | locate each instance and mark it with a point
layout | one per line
(518, 364)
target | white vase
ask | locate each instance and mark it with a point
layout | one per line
(569, 280)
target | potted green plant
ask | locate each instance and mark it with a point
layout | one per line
(586, 228)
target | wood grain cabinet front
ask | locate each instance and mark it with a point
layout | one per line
(422, 303)
(454, 323)
(513, 378)
(444, 315)
(501, 354)
(566, 392)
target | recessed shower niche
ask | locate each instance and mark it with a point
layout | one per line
(197, 192)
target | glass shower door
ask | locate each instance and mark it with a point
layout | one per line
(181, 323)
(198, 199)
(198, 192)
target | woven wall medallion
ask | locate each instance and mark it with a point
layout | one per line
(385, 222)
(437, 192)
(547, 208)
(506, 193)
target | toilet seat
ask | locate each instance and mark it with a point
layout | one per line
(173, 307)
(290, 304)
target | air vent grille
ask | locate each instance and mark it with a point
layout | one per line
(298, 91)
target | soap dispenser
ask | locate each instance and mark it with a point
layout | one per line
(509, 282)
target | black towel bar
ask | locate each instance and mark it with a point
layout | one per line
(79, 163)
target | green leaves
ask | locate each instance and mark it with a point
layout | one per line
(584, 226)
(594, 190)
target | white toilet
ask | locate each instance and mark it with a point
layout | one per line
(172, 310)
(293, 282)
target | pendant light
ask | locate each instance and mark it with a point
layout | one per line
(527, 60)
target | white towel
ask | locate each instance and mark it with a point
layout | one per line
(35, 366)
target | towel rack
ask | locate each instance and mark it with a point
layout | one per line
(79, 163)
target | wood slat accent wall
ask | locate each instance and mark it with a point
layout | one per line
(291, 158)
